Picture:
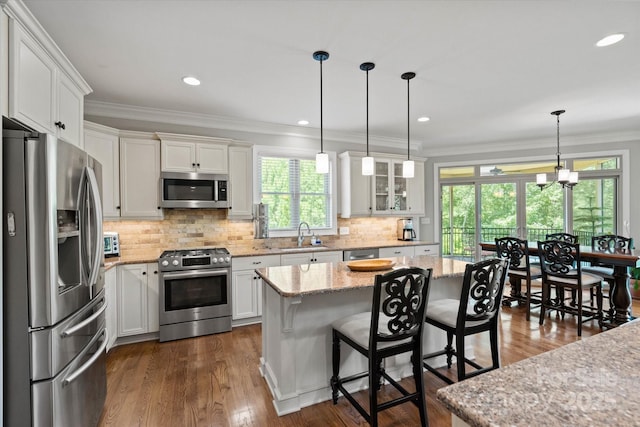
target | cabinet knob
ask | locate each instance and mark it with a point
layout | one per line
(159, 207)
(60, 124)
(155, 272)
(193, 165)
(144, 273)
(198, 164)
(117, 207)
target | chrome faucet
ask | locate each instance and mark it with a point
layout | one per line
(300, 236)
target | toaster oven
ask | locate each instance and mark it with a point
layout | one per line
(111, 244)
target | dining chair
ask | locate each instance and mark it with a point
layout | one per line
(569, 238)
(607, 243)
(393, 326)
(563, 237)
(520, 268)
(477, 310)
(561, 269)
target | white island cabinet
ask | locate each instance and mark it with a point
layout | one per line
(299, 305)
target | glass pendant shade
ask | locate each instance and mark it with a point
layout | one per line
(408, 169)
(573, 178)
(541, 179)
(322, 163)
(563, 176)
(367, 166)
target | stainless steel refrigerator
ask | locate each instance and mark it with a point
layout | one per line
(54, 334)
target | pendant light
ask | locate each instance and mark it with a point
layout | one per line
(322, 158)
(367, 161)
(407, 165)
(564, 177)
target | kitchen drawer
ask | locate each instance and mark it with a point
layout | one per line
(253, 262)
(432, 250)
(396, 251)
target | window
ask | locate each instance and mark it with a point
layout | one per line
(485, 201)
(295, 193)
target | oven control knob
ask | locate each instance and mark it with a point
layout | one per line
(165, 263)
(175, 262)
(214, 260)
(227, 259)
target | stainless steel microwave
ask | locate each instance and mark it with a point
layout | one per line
(193, 190)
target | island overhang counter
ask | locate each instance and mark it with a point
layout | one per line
(300, 302)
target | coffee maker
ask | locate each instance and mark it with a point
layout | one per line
(405, 229)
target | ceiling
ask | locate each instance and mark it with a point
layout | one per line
(488, 72)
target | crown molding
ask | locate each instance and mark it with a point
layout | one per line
(148, 114)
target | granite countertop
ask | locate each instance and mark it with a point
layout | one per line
(309, 279)
(152, 255)
(245, 250)
(592, 382)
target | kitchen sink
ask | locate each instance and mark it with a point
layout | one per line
(303, 249)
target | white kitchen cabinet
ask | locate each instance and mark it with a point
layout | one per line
(153, 297)
(432, 250)
(311, 257)
(389, 187)
(139, 178)
(415, 192)
(241, 182)
(396, 251)
(45, 92)
(246, 300)
(188, 153)
(103, 143)
(111, 313)
(132, 300)
(355, 189)
(137, 296)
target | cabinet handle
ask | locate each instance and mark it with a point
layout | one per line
(117, 207)
(397, 252)
(256, 262)
(60, 125)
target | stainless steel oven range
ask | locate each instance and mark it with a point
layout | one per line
(195, 293)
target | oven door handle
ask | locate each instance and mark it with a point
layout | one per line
(188, 274)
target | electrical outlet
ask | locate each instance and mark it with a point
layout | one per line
(344, 231)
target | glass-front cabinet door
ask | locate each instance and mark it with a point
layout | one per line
(390, 188)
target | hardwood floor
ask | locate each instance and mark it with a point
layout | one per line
(214, 380)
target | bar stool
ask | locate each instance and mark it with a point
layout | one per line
(476, 311)
(517, 252)
(394, 326)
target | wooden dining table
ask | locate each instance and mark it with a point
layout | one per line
(619, 294)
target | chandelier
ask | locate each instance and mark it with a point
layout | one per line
(564, 176)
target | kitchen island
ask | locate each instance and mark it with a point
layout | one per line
(299, 304)
(591, 382)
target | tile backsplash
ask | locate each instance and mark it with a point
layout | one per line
(191, 228)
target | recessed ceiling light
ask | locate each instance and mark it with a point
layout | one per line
(303, 122)
(609, 40)
(424, 119)
(191, 81)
